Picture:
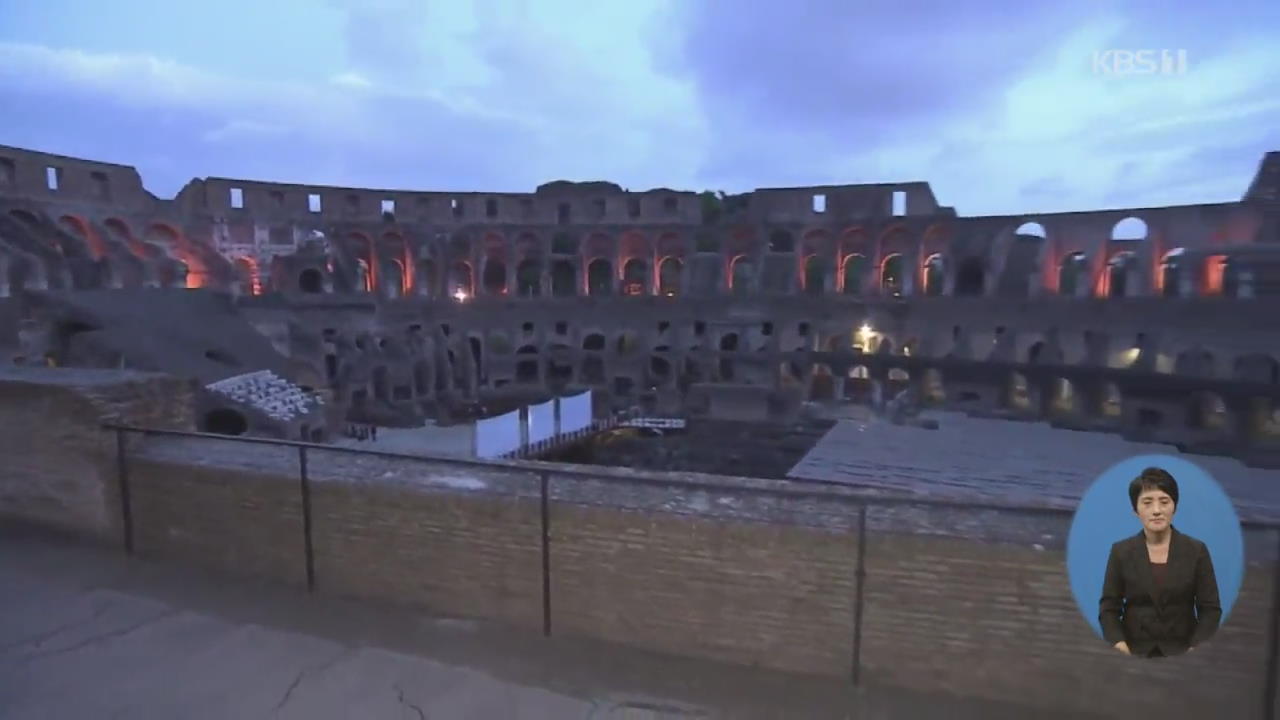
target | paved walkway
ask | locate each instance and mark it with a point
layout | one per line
(86, 633)
(998, 460)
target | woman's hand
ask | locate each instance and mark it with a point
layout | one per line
(1123, 647)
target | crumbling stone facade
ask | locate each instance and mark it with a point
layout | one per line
(1149, 321)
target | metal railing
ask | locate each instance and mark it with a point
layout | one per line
(806, 489)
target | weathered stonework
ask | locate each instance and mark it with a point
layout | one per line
(58, 466)
(741, 570)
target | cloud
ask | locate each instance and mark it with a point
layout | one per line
(983, 99)
(995, 104)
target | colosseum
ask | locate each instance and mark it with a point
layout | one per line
(402, 305)
(848, 413)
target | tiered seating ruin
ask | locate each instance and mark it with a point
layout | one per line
(269, 393)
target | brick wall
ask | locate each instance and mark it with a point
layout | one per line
(245, 523)
(451, 554)
(770, 583)
(999, 621)
(746, 592)
(57, 466)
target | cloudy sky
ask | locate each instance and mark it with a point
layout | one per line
(998, 103)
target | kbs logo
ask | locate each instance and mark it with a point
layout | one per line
(1140, 62)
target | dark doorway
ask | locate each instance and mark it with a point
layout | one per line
(225, 421)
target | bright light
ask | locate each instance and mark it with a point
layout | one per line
(864, 336)
(1132, 354)
(460, 295)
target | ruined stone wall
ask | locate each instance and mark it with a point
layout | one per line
(57, 466)
(728, 575)
(736, 570)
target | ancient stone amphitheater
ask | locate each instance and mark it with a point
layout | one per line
(1154, 322)
(292, 311)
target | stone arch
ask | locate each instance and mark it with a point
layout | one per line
(813, 278)
(529, 278)
(564, 282)
(822, 384)
(26, 217)
(166, 236)
(79, 227)
(1029, 230)
(120, 231)
(311, 281)
(247, 274)
(1063, 398)
(971, 277)
(1121, 277)
(933, 275)
(361, 246)
(527, 365)
(635, 276)
(891, 275)
(934, 390)
(1112, 400)
(493, 276)
(134, 265)
(670, 273)
(742, 275)
(1129, 229)
(461, 286)
(1256, 367)
(1171, 273)
(853, 270)
(1073, 275)
(224, 421)
(661, 371)
(600, 277)
(26, 272)
(393, 285)
(364, 275)
(1229, 282)
(1017, 392)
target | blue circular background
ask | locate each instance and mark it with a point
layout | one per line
(1105, 516)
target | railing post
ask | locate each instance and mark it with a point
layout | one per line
(305, 488)
(859, 575)
(544, 481)
(1273, 641)
(126, 500)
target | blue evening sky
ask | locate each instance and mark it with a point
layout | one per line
(996, 103)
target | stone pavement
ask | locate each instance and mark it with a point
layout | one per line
(85, 632)
(981, 459)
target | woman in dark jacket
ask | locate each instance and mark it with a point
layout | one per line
(1159, 596)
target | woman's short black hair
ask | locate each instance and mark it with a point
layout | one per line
(1153, 478)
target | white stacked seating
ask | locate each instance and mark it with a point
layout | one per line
(269, 393)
